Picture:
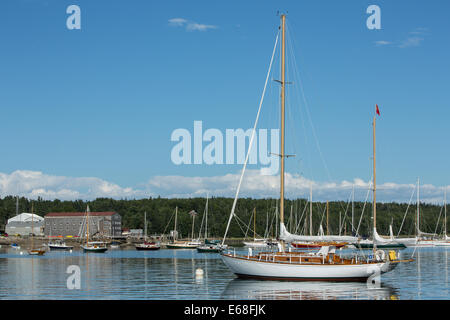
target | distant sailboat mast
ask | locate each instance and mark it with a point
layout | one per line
(418, 208)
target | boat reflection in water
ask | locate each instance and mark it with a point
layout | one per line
(240, 289)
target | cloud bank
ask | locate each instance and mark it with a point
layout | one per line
(34, 184)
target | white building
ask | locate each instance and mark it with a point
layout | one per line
(22, 225)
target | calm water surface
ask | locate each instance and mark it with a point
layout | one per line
(170, 274)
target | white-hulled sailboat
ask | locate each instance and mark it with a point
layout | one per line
(177, 244)
(445, 241)
(325, 265)
(92, 246)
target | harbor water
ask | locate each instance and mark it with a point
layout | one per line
(185, 274)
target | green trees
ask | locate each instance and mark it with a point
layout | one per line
(160, 211)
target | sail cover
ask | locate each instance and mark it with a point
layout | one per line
(288, 237)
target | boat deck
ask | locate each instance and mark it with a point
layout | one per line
(302, 258)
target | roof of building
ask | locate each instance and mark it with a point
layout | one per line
(26, 217)
(78, 214)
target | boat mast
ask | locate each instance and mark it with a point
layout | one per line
(328, 228)
(418, 208)
(206, 218)
(32, 227)
(87, 224)
(310, 210)
(175, 235)
(353, 206)
(374, 186)
(283, 83)
(145, 225)
(254, 223)
(445, 212)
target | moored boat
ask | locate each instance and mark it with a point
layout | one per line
(92, 246)
(147, 245)
(59, 245)
(325, 265)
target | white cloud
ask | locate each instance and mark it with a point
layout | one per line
(190, 25)
(177, 22)
(199, 27)
(33, 184)
(382, 43)
(260, 186)
(411, 42)
(414, 39)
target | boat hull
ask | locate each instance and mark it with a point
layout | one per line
(312, 245)
(36, 252)
(209, 249)
(379, 246)
(442, 243)
(266, 270)
(98, 249)
(147, 248)
(60, 247)
(181, 245)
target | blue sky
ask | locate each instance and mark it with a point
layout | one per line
(101, 103)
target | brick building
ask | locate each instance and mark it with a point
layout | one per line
(102, 224)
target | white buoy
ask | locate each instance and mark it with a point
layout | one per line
(21, 252)
(199, 273)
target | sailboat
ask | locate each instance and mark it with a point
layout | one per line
(314, 242)
(147, 245)
(445, 241)
(377, 241)
(92, 246)
(176, 244)
(257, 242)
(33, 251)
(210, 246)
(419, 240)
(325, 265)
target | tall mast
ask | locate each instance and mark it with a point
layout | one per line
(310, 210)
(283, 84)
(353, 205)
(374, 185)
(445, 212)
(254, 223)
(193, 217)
(206, 218)
(418, 208)
(328, 228)
(175, 235)
(32, 227)
(87, 224)
(145, 225)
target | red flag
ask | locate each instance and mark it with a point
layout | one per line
(378, 110)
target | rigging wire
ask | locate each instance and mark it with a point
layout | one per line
(251, 141)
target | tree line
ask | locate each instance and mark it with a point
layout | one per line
(161, 215)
